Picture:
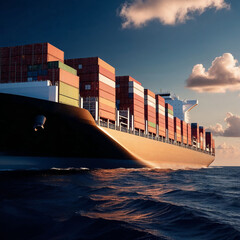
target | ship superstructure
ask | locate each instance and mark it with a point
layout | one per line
(181, 108)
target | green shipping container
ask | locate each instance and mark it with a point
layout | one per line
(63, 66)
(152, 124)
(170, 111)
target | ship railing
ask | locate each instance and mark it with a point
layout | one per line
(112, 126)
(154, 137)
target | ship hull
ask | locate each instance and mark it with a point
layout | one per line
(71, 138)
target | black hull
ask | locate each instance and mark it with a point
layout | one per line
(70, 135)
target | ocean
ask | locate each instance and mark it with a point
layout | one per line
(121, 204)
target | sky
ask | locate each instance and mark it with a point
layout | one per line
(190, 47)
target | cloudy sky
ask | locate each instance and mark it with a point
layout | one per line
(190, 47)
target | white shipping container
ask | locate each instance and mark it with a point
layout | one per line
(107, 81)
(136, 91)
(136, 85)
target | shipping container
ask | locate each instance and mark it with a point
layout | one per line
(202, 137)
(184, 132)
(14, 61)
(150, 110)
(97, 82)
(209, 139)
(169, 121)
(130, 95)
(195, 135)
(189, 134)
(213, 146)
(177, 130)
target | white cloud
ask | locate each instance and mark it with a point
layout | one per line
(223, 75)
(168, 12)
(227, 148)
(232, 129)
(227, 155)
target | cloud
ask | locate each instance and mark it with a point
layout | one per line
(227, 155)
(232, 129)
(223, 75)
(227, 148)
(168, 12)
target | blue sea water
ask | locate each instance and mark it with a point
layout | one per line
(121, 204)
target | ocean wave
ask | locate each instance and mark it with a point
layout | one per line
(120, 204)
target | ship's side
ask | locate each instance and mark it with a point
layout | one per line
(155, 153)
(71, 138)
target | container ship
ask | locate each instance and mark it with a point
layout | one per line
(63, 113)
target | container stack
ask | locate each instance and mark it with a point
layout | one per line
(209, 141)
(169, 121)
(14, 61)
(68, 82)
(150, 111)
(97, 86)
(195, 134)
(189, 134)
(184, 132)
(213, 146)
(130, 95)
(59, 74)
(177, 129)
(161, 121)
(202, 137)
(200, 140)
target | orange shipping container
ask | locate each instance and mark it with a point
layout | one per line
(107, 115)
(108, 96)
(107, 108)
(106, 88)
(69, 78)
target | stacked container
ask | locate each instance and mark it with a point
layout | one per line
(189, 134)
(177, 129)
(184, 128)
(160, 111)
(150, 111)
(209, 140)
(195, 134)
(97, 86)
(14, 61)
(59, 74)
(169, 121)
(202, 137)
(68, 82)
(213, 146)
(130, 95)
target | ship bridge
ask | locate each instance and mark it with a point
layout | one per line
(181, 108)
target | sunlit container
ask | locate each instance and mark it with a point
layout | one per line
(65, 77)
(97, 85)
(169, 121)
(200, 140)
(130, 95)
(160, 116)
(189, 134)
(209, 139)
(150, 110)
(177, 129)
(195, 134)
(213, 146)
(202, 137)
(14, 61)
(184, 129)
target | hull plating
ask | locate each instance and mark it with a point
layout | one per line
(72, 139)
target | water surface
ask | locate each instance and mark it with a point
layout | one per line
(121, 204)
